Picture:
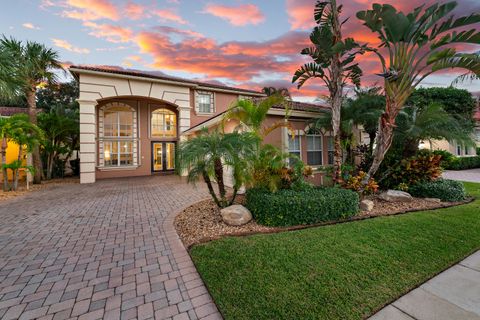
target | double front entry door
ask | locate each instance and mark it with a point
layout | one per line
(163, 154)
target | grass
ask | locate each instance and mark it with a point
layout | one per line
(343, 271)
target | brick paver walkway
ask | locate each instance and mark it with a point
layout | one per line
(106, 250)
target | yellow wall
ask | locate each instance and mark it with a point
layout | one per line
(12, 154)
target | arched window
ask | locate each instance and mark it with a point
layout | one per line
(117, 135)
(163, 123)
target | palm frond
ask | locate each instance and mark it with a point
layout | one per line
(306, 72)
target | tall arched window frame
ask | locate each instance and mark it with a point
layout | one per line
(117, 135)
(163, 123)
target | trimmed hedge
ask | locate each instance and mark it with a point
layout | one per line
(291, 207)
(463, 163)
(443, 189)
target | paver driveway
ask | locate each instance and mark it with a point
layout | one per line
(106, 250)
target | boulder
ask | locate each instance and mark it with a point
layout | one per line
(236, 215)
(436, 200)
(366, 205)
(396, 196)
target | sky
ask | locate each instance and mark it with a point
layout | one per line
(243, 43)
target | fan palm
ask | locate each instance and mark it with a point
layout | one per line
(414, 46)
(333, 62)
(35, 65)
(431, 122)
(206, 155)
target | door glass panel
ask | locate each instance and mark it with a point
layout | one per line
(157, 157)
(170, 156)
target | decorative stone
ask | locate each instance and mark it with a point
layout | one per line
(436, 200)
(366, 205)
(396, 196)
(236, 215)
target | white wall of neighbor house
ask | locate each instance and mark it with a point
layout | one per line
(452, 147)
(95, 87)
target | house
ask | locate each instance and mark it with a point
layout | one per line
(12, 148)
(131, 122)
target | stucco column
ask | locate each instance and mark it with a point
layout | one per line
(183, 115)
(88, 154)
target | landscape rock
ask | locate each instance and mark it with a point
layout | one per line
(236, 215)
(366, 205)
(396, 196)
(433, 200)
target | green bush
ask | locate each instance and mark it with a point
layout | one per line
(447, 157)
(443, 189)
(463, 163)
(296, 207)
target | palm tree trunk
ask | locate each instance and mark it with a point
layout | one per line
(32, 114)
(4, 162)
(207, 180)
(218, 168)
(235, 191)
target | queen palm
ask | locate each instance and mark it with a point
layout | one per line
(206, 155)
(333, 62)
(34, 64)
(413, 46)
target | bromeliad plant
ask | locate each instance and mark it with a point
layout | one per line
(333, 62)
(206, 155)
(413, 46)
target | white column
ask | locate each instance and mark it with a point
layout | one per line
(88, 149)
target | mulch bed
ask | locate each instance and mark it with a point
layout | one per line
(202, 221)
(22, 188)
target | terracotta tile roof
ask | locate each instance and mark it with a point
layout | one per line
(305, 106)
(146, 74)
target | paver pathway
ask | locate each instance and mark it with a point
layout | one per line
(472, 175)
(452, 295)
(106, 250)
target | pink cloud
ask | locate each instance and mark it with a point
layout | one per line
(109, 32)
(134, 11)
(237, 15)
(87, 10)
(64, 44)
(169, 15)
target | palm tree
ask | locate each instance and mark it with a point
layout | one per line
(25, 135)
(61, 132)
(333, 62)
(251, 114)
(414, 47)
(270, 91)
(431, 122)
(207, 154)
(35, 65)
(9, 80)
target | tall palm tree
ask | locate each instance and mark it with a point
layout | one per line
(252, 114)
(333, 62)
(35, 65)
(9, 80)
(414, 46)
(206, 155)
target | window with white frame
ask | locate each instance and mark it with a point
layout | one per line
(294, 148)
(117, 135)
(314, 149)
(331, 150)
(204, 102)
(163, 123)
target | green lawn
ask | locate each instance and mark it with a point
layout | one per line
(343, 271)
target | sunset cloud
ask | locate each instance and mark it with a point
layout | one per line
(87, 10)
(29, 25)
(169, 15)
(241, 15)
(69, 47)
(110, 32)
(134, 11)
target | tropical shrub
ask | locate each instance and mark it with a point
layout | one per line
(447, 157)
(443, 189)
(419, 168)
(354, 183)
(309, 206)
(463, 163)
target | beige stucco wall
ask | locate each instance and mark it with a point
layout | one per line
(450, 147)
(96, 89)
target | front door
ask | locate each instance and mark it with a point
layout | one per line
(163, 154)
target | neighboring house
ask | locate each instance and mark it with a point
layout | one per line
(131, 122)
(12, 148)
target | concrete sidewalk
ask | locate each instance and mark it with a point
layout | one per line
(453, 294)
(471, 175)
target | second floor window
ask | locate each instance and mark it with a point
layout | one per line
(163, 123)
(204, 102)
